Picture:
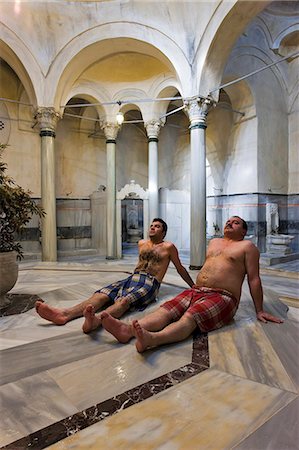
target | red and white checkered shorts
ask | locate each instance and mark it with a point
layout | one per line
(210, 308)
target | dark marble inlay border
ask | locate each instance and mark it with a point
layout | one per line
(71, 425)
(18, 304)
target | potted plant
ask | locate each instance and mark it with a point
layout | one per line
(16, 209)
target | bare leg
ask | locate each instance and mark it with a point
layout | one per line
(124, 332)
(120, 330)
(118, 308)
(61, 316)
(175, 332)
(156, 320)
(92, 321)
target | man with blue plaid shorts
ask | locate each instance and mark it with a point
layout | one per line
(134, 292)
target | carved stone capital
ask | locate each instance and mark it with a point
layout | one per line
(110, 130)
(47, 119)
(198, 109)
(153, 127)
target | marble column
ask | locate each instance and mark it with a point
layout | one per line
(198, 110)
(153, 129)
(47, 120)
(111, 130)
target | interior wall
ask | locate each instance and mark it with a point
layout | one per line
(174, 153)
(131, 156)
(23, 139)
(80, 161)
(293, 125)
(272, 134)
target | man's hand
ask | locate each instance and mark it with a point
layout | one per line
(265, 317)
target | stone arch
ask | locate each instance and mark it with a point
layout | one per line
(90, 92)
(292, 31)
(21, 60)
(226, 24)
(133, 191)
(84, 50)
(92, 114)
(164, 89)
(134, 96)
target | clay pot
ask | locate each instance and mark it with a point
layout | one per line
(8, 273)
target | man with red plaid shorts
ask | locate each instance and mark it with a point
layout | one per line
(211, 303)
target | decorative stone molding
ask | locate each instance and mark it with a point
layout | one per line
(132, 190)
(198, 110)
(153, 128)
(47, 119)
(110, 130)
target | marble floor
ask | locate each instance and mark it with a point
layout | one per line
(235, 388)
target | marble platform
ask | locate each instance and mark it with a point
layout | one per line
(233, 388)
(271, 259)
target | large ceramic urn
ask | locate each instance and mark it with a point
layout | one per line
(8, 274)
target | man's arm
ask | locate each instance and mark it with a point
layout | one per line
(253, 277)
(174, 257)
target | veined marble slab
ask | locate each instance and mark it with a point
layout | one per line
(280, 432)
(244, 349)
(30, 404)
(212, 410)
(56, 354)
(120, 368)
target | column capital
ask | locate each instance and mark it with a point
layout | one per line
(47, 119)
(153, 128)
(111, 130)
(198, 109)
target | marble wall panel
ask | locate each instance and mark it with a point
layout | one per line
(174, 235)
(73, 212)
(174, 214)
(175, 205)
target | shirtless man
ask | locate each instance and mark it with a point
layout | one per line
(211, 303)
(135, 292)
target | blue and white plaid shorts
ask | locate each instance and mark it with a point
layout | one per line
(140, 289)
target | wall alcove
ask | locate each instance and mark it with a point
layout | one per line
(124, 198)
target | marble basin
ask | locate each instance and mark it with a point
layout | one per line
(134, 234)
(279, 239)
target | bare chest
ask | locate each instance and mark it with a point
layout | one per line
(153, 254)
(232, 252)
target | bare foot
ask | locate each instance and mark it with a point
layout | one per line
(91, 322)
(120, 330)
(144, 338)
(55, 315)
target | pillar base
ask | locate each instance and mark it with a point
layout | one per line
(195, 267)
(111, 257)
